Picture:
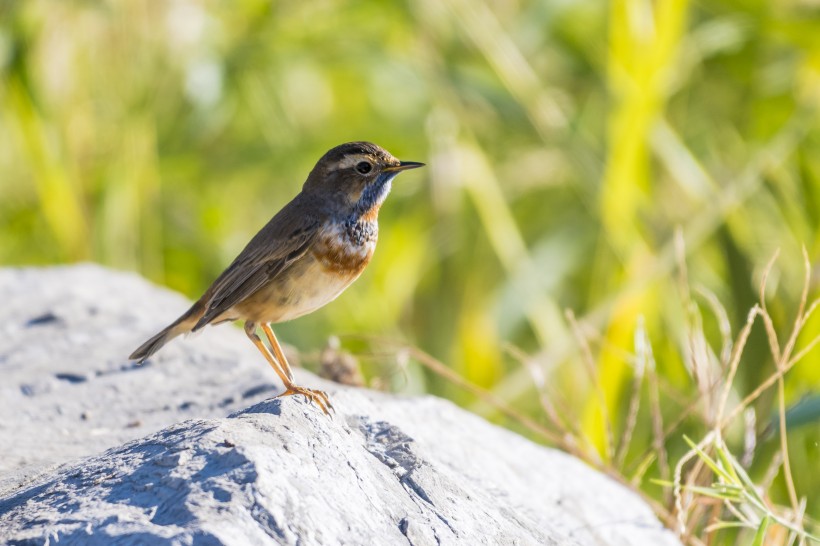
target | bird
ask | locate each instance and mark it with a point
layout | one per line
(303, 258)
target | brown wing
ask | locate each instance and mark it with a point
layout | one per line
(284, 239)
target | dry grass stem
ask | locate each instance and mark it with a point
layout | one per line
(444, 371)
(800, 319)
(679, 243)
(658, 436)
(742, 338)
(749, 437)
(784, 444)
(724, 325)
(589, 364)
(677, 484)
(767, 321)
(784, 362)
(544, 398)
(642, 347)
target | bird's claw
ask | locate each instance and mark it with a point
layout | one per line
(316, 396)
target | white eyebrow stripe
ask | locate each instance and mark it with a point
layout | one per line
(351, 160)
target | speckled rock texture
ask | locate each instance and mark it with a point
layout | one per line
(187, 450)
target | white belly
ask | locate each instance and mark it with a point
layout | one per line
(312, 281)
(316, 287)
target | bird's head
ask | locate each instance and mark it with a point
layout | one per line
(356, 176)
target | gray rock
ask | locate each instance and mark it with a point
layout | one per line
(202, 467)
(68, 388)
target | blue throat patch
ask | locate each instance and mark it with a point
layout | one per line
(373, 195)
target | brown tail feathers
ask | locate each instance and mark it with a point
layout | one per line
(181, 325)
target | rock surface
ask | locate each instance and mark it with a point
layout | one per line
(208, 461)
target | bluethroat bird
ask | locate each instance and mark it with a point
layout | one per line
(305, 256)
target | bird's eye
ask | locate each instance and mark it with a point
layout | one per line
(364, 167)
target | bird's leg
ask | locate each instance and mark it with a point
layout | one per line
(280, 364)
(250, 331)
(277, 350)
(292, 388)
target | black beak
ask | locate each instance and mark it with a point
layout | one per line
(403, 166)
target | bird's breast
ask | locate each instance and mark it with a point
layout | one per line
(346, 247)
(337, 257)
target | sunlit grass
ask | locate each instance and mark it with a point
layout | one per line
(744, 506)
(579, 153)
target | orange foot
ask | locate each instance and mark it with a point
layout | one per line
(311, 395)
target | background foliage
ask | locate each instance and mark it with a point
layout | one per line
(566, 143)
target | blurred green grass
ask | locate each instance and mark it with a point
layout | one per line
(566, 142)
